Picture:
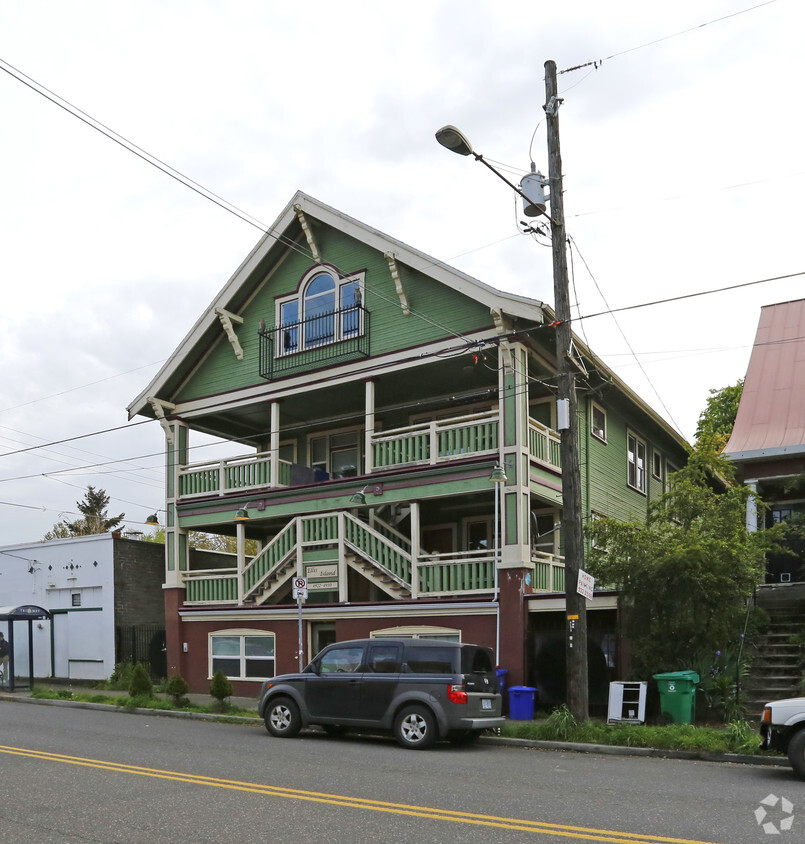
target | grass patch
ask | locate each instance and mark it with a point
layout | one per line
(130, 703)
(736, 737)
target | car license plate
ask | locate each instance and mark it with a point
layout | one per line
(486, 703)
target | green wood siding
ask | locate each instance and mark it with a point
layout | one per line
(219, 371)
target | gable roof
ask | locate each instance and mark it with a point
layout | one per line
(283, 235)
(771, 414)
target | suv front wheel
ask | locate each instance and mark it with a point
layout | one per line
(796, 752)
(415, 728)
(282, 718)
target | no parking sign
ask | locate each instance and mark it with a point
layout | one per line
(300, 587)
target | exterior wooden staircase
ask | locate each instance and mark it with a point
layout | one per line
(776, 670)
(375, 555)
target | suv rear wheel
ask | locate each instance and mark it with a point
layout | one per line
(282, 718)
(415, 727)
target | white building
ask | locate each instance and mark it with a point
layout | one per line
(97, 588)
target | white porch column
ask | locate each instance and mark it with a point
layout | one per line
(515, 551)
(369, 422)
(343, 569)
(177, 549)
(275, 444)
(415, 534)
(240, 529)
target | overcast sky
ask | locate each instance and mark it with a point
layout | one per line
(683, 167)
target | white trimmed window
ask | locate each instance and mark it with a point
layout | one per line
(448, 634)
(635, 462)
(598, 422)
(326, 309)
(242, 654)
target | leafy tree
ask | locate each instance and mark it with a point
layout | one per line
(207, 541)
(95, 518)
(685, 574)
(718, 418)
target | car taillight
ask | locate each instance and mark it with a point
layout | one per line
(766, 719)
(456, 694)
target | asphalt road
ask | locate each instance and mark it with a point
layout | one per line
(75, 775)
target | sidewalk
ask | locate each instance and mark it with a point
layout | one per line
(24, 696)
(249, 703)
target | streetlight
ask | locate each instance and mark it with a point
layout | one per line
(531, 188)
(572, 531)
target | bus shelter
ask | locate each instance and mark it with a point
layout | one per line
(13, 615)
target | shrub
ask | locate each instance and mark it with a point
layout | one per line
(561, 724)
(177, 688)
(220, 688)
(140, 685)
(121, 677)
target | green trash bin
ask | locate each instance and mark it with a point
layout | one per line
(678, 695)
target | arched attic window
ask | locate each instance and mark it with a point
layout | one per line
(326, 309)
(319, 310)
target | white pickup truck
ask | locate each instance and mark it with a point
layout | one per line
(782, 727)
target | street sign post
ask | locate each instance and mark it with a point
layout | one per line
(300, 593)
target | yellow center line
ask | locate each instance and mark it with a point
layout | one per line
(543, 828)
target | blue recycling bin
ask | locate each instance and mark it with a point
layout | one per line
(521, 703)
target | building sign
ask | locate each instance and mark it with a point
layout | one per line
(322, 577)
(321, 570)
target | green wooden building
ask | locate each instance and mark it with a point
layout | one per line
(366, 392)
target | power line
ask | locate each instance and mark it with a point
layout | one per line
(180, 177)
(81, 387)
(596, 63)
(625, 338)
(692, 295)
(77, 437)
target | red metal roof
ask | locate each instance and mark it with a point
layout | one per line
(771, 413)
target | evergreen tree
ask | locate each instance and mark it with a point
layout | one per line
(95, 518)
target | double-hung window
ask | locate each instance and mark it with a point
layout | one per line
(635, 462)
(326, 309)
(242, 654)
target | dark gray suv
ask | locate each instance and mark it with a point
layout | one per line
(421, 690)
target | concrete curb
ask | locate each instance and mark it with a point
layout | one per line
(572, 747)
(162, 713)
(653, 752)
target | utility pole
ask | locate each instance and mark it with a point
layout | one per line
(572, 533)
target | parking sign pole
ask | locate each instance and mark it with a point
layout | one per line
(299, 609)
(300, 593)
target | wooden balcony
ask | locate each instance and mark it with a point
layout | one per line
(424, 444)
(440, 441)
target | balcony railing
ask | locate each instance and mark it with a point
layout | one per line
(436, 442)
(423, 444)
(217, 477)
(549, 572)
(336, 335)
(465, 572)
(544, 444)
